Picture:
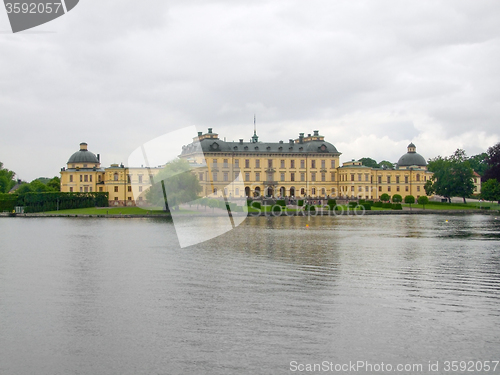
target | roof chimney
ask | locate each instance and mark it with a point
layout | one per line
(210, 130)
(316, 133)
(200, 134)
(99, 158)
(83, 146)
(291, 141)
(241, 141)
(301, 137)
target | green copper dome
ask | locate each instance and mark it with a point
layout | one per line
(83, 156)
(411, 158)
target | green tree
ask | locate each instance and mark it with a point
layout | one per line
(493, 161)
(7, 180)
(490, 190)
(410, 199)
(55, 184)
(479, 163)
(386, 164)
(423, 200)
(175, 179)
(429, 188)
(396, 198)
(453, 176)
(369, 162)
(385, 197)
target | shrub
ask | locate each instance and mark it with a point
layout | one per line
(281, 202)
(309, 208)
(39, 202)
(361, 201)
(367, 206)
(385, 197)
(277, 208)
(256, 204)
(396, 198)
(397, 206)
(300, 202)
(353, 204)
(423, 200)
(370, 202)
(8, 202)
(332, 202)
(377, 204)
(386, 205)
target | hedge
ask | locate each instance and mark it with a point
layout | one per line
(281, 202)
(397, 206)
(256, 204)
(377, 204)
(8, 202)
(367, 206)
(300, 202)
(40, 202)
(386, 205)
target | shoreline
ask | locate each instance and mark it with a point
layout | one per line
(255, 214)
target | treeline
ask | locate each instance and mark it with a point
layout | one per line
(52, 201)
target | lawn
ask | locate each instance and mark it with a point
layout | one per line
(455, 206)
(109, 211)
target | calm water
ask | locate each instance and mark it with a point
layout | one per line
(118, 296)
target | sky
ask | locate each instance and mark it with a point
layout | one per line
(371, 76)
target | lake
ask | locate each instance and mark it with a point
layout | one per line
(275, 295)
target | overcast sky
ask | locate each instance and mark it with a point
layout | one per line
(371, 76)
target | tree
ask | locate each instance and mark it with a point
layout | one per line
(369, 162)
(429, 188)
(410, 199)
(385, 197)
(479, 163)
(55, 184)
(453, 176)
(7, 180)
(423, 200)
(386, 164)
(490, 190)
(178, 182)
(493, 161)
(396, 198)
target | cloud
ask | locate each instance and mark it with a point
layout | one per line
(371, 76)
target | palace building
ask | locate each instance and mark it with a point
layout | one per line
(307, 166)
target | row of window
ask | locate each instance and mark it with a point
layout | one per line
(270, 163)
(85, 178)
(270, 176)
(367, 188)
(367, 177)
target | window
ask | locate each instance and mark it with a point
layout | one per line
(313, 191)
(86, 189)
(418, 188)
(116, 198)
(129, 179)
(292, 163)
(406, 180)
(257, 176)
(214, 163)
(237, 192)
(90, 178)
(366, 189)
(99, 178)
(323, 177)
(129, 198)
(225, 165)
(115, 176)
(140, 198)
(323, 164)
(332, 163)
(269, 163)
(81, 178)
(140, 178)
(225, 191)
(397, 188)
(292, 176)
(129, 189)
(282, 177)
(225, 176)
(302, 164)
(360, 188)
(397, 179)
(418, 177)
(282, 164)
(270, 177)
(140, 189)
(332, 176)
(86, 178)
(367, 177)
(388, 179)
(302, 176)
(214, 176)
(359, 176)
(70, 178)
(71, 189)
(352, 176)
(100, 188)
(380, 188)
(247, 176)
(313, 176)
(237, 163)
(247, 163)
(388, 188)
(200, 176)
(257, 163)
(379, 179)
(116, 189)
(215, 190)
(85, 166)
(313, 163)
(406, 188)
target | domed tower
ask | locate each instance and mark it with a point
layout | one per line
(83, 172)
(411, 159)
